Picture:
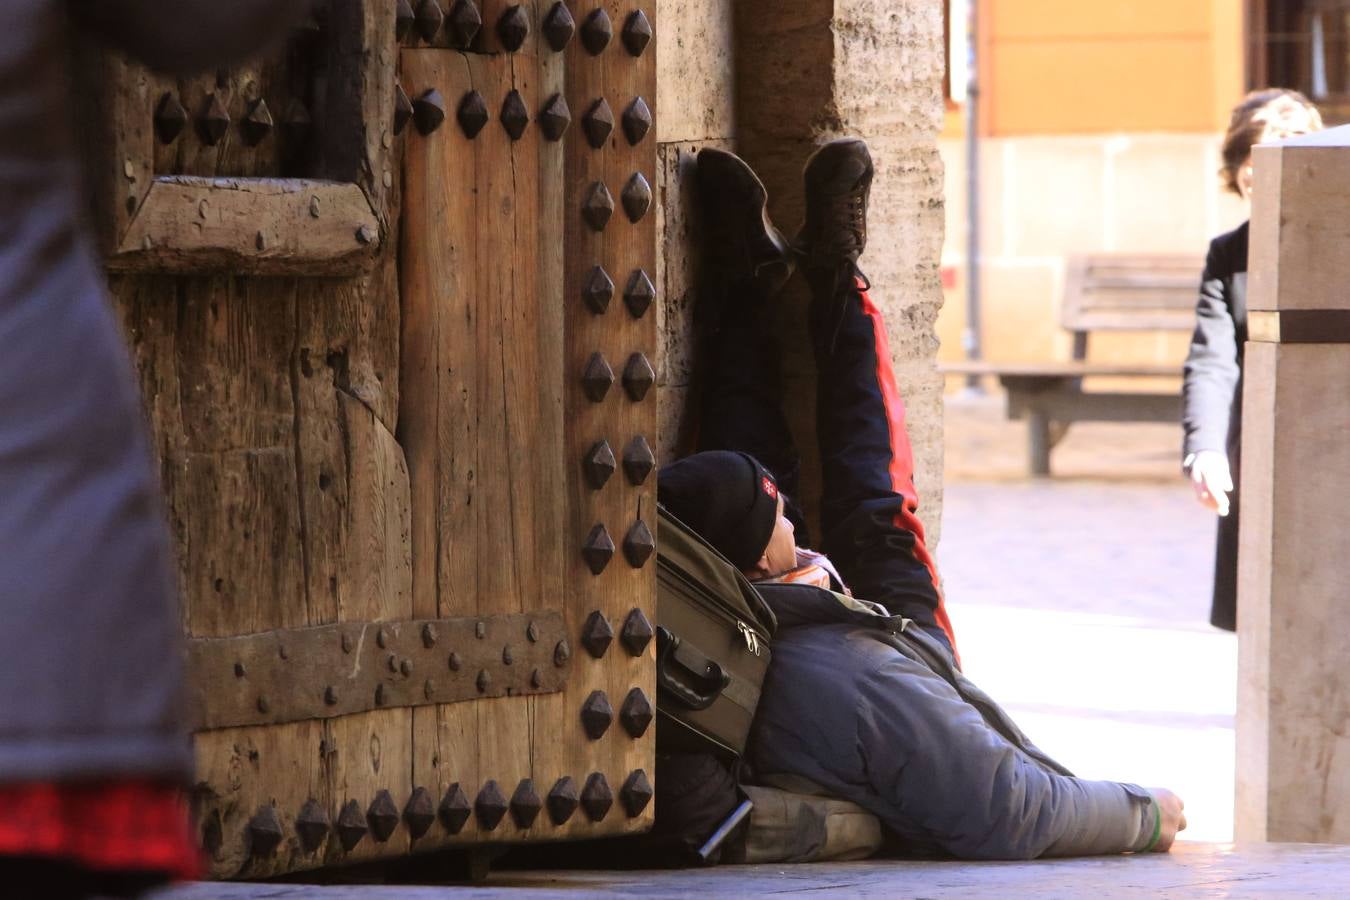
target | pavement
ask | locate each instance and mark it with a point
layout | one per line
(1081, 602)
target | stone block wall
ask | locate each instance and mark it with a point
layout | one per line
(772, 79)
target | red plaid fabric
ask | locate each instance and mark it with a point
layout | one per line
(120, 826)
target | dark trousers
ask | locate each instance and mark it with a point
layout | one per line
(869, 522)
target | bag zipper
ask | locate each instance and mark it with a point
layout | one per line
(754, 640)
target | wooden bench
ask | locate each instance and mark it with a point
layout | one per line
(1102, 292)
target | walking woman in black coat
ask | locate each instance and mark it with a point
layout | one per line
(1212, 393)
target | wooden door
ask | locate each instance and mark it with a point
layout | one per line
(390, 295)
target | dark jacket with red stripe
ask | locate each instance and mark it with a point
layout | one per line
(873, 710)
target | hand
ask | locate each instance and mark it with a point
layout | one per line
(1212, 480)
(1173, 813)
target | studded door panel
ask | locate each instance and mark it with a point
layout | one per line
(528, 402)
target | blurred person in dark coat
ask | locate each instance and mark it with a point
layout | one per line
(1212, 392)
(93, 750)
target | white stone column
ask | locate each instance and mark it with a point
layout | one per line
(1293, 723)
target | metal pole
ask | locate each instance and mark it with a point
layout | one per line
(970, 336)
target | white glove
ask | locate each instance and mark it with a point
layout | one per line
(1212, 480)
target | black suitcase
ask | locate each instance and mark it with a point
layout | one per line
(712, 644)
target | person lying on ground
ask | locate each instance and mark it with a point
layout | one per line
(864, 695)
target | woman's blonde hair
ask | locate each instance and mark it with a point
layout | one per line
(1257, 112)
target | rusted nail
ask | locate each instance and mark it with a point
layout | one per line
(637, 121)
(465, 23)
(170, 117)
(455, 662)
(392, 662)
(562, 653)
(314, 207)
(239, 670)
(638, 377)
(428, 635)
(536, 679)
(429, 689)
(330, 696)
(346, 643)
(260, 241)
(480, 629)
(406, 667)
(598, 206)
(365, 234)
(507, 656)
(380, 695)
(381, 637)
(532, 632)
(484, 681)
(263, 706)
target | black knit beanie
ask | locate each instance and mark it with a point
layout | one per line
(727, 497)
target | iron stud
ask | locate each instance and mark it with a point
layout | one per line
(598, 206)
(598, 123)
(406, 668)
(638, 546)
(513, 28)
(429, 19)
(515, 117)
(636, 793)
(536, 679)
(264, 832)
(428, 635)
(597, 379)
(257, 124)
(312, 825)
(403, 19)
(490, 805)
(599, 290)
(484, 681)
(636, 197)
(559, 26)
(214, 121)
(420, 812)
(598, 549)
(596, 715)
(532, 632)
(555, 117)
(640, 294)
(637, 32)
(170, 117)
(638, 377)
(507, 656)
(637, 121)
(562, 652)
(381, 695)
(455, 662)
(525, 804)
(596, 634)
(429, 112)
(454, 810)
(596, 797)
(596, 32)
(381, 637)
(637, 632)
(562, 800)
(599, 465)
(480, 629)
(636, 713)
(263, 706)
(638, 460)
(383, 816)
(330, 696)
(465, 23)
(351, 825)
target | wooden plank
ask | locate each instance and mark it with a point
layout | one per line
(191, 225)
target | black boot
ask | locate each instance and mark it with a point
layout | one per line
(748, 259)
(838, 180)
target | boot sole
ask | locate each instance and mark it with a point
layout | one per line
(764, 244)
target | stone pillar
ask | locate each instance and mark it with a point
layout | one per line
(808, 71)
(695, 109)
(1293, 723)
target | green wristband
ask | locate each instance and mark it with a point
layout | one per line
(1157, 824)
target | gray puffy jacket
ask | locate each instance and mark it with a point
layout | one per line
(875, 712)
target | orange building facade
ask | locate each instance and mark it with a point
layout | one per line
(1100, 127)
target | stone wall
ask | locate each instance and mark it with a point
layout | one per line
(773, 79)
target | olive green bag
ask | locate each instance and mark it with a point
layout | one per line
(712, 644)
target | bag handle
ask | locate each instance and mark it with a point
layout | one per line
(688, 675)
